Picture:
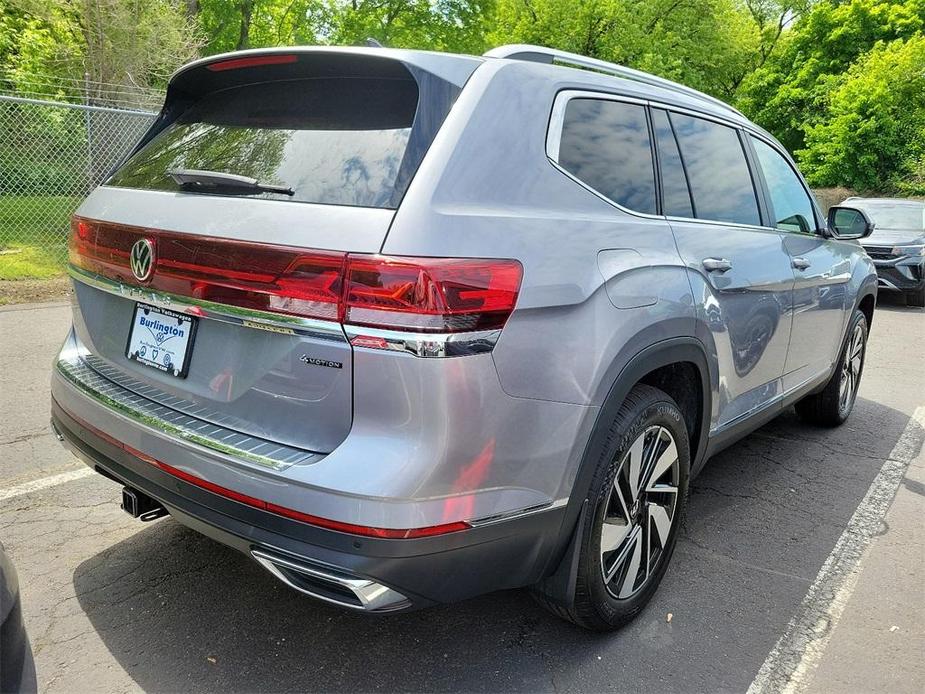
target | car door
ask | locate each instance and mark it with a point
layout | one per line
(821, 268)
(739, 269)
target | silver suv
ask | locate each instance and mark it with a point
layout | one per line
(408, 327)
(897, 245)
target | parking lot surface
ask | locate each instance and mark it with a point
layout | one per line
(112, 604)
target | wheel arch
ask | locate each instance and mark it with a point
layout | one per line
(866, 303)
(655, 366)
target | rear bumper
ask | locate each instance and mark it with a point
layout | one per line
(907, 275)
(422, 571)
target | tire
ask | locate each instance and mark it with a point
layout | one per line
(832, 405)
(916, 299)
(624, 530)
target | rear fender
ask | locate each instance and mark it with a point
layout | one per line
(561, 575)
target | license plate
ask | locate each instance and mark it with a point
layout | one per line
(161, 339)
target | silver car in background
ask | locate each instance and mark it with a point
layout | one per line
(897, 244)
(409, 327)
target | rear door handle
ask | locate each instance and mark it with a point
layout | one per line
(800, 263)
(716, 264)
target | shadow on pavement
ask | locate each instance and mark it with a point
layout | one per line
(180, 612)
(895, 301)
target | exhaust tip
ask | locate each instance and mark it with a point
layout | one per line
(331, 585)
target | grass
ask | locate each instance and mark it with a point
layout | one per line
(33, 235)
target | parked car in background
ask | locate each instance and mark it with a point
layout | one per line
(408, 327)
(17, 669)
(897, 244)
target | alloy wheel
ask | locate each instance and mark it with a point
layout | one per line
(851, 369)
(639, 512)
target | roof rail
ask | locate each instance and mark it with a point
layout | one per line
(541, 54)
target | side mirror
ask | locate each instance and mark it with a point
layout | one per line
(849, 223)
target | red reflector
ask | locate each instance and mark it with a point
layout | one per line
(385, 533)
(251, 61)
(430, 294)
(370, 341)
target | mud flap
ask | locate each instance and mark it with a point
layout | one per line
(559, 587)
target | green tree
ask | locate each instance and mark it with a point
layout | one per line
(113, 42)
(707, 44)
(789, 92)
(237, 24)
(873, 134)
(443, 25)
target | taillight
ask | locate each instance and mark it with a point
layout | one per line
(430, 294)
(446, 295)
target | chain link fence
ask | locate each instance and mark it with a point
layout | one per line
(52, 154)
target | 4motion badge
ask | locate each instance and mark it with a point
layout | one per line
(315, 361)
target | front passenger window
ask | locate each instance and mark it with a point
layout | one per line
(793, 209)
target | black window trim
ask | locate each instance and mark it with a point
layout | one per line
(674, 136)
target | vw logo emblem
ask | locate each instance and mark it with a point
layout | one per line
(141, 259)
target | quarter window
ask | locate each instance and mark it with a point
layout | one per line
(793, 209)
(721, 185)
(676, 196)
(606, 145)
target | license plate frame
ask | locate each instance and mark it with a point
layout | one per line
(153, 345)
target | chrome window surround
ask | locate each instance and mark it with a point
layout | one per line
(418, 344)
(180, 425)
(554, 135)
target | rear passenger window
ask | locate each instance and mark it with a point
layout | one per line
(676, 197)
(793, 210)
(606, 145)
(721, 185)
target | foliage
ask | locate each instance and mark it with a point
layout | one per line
(707, 44)
(443, 25)
(449, 25)
(873, 136)
(790, 92)
(237, 24)
(46, 47)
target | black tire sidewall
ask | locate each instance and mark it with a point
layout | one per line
(857, 318)
(657, 408)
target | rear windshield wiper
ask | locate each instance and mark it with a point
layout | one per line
(193, 179)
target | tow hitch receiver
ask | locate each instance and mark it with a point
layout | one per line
(141, 506)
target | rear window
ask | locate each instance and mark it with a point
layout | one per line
(338, 141)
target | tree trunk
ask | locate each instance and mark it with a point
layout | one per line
(247, 9)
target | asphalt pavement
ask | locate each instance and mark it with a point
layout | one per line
(800, 567)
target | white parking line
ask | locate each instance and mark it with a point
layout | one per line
(44, 483)
(797, 652)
